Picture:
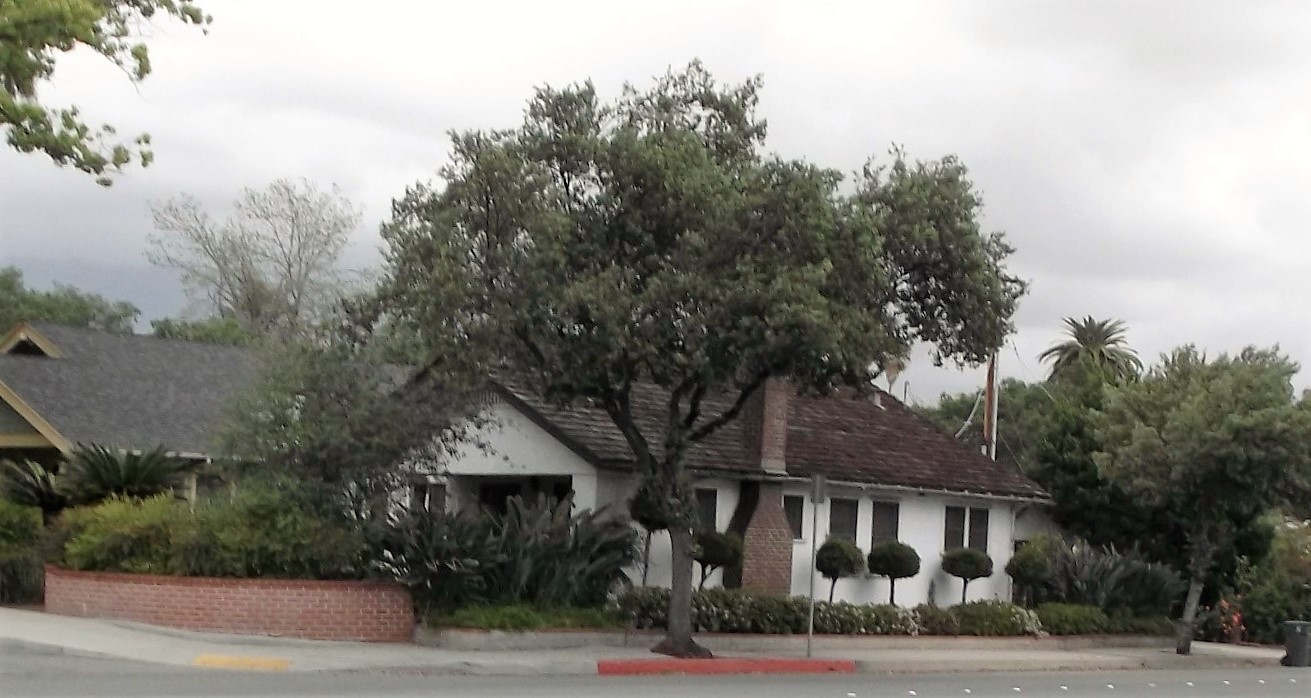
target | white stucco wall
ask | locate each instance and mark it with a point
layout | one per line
(513, 445)
(922, 526)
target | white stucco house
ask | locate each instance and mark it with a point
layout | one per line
(890, 473)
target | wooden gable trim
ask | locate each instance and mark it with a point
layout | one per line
(44, 428)
(24, 441)
(23, 332)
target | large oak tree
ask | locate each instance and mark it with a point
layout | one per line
(653, 240)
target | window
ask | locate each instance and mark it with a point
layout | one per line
(426, 497)
(887, 517)
(842, 518)
(960, 529)
(979, 529)
(794, 507)
(707, 508)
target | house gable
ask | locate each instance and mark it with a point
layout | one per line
(24, 339)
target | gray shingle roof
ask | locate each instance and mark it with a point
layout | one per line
(130, 391)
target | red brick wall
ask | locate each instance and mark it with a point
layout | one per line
(317, 610)
(767, 545)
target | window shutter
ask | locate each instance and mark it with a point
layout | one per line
(979, 529)
(887, 518)
(955, 529)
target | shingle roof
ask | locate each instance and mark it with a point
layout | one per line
(844, 437)
(130, 391)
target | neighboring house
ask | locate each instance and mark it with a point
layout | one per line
(63, 386)
(891, 473)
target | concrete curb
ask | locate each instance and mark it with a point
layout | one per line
(730, 665)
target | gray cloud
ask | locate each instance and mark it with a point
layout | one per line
(1142, 157)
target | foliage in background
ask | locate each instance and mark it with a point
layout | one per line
(1019, 433)
(327, 411)
(272, 267)
(838, 558)
(1108, 579)
(63, 305)
(1217, 443)
(538, 553)
(36, 33)
(1030, 568)
(1275, 590)
(21, 575)
(716, 550)
(968, 564)
(732, 266)
(123, 535)
(94, 473)
(894, 560)
(211, 330)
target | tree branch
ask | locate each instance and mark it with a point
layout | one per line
(731, 413)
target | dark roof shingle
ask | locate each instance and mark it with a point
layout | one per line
(844, 437)
(130, 391)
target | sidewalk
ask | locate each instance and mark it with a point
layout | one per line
(137, 642)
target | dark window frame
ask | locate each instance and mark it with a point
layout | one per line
(876, 535)
(797, 524)
(971, 531)
(711, 495)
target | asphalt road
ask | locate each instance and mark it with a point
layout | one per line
(24, 672)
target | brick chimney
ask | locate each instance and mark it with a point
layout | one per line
(767, 540)
(766, 425)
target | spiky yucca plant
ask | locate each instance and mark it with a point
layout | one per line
(94, 473)
(31, 484)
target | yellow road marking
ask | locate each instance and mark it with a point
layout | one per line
(226, 661)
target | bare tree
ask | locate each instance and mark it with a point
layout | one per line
(272, 265)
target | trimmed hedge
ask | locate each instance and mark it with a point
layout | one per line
(21, 578)
(736, 611)
(524, 617)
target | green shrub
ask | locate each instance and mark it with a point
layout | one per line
(894, 560)
(736, 611)
(535, 554)
(1073, 619)
(1124, 624)
(715, 550)
(936, 620)
(1031, 567)
(268, 529)
(95, 473)
(996, 618)
(1108, 579)
(968, 564)
(21, 576)
(123, 535)
(523, 617)
(838, 558)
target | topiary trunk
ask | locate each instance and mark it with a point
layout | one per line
(892, 591)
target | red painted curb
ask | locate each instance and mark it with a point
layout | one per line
(648, 667)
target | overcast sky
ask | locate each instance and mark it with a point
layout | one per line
(1149, 161)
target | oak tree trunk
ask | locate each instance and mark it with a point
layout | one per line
(1184, 634)
(678, 635)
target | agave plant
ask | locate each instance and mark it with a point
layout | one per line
(95, 473)
(31, 484)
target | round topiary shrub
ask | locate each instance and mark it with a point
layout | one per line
(838, 558)
(894, 560)
(968, 564)
(1031, 568)
(715, 550)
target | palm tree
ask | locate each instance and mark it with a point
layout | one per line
(1096, 344)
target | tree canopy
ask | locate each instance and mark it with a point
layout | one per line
(1215, 443)
(599, 247)
(62, 304)
(34, 33)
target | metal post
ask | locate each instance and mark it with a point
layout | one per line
(817, 495)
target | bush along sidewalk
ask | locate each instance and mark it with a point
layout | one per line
(734, 611)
